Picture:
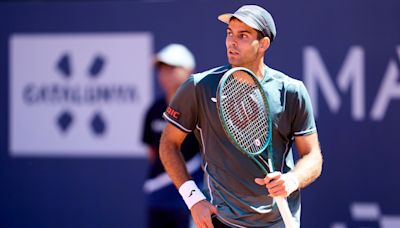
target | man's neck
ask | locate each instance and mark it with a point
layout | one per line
(257, 69)
(259, 72)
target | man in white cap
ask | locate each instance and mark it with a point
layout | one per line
(165, 207)
(237, 193)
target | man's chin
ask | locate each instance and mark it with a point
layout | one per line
(233, 62)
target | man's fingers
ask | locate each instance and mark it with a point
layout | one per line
(279, 190)
(268, 178)
(214, 209)
(274, 183)
(276, 190)
(204, 222)
(272, 176)
(259, 181)
(201, 213)
(208, 222)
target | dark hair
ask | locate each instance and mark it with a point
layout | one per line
(260, 35)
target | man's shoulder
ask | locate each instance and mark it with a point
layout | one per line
(289, 82)
(216, 71)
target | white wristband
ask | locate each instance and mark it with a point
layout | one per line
(292, 182)
(190, 193)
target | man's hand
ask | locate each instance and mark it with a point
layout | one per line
(279, 184)
(201, 213)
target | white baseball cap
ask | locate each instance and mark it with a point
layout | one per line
(176, 55)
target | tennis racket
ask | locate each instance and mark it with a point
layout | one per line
(245, 116)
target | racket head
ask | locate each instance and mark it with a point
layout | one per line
(244, 111)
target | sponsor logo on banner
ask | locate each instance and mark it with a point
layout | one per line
(351, 78)
(368, 215)
(79, 94)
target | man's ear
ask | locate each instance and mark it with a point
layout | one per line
(264, 43)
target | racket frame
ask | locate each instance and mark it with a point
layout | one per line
(266, 146)
(281, 201)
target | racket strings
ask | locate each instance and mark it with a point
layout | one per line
(246, 113)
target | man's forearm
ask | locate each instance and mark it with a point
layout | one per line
(173, 162)
(308, 168)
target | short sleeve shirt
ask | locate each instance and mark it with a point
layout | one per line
(230, 174)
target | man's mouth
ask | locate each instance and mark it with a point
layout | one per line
(232, 52)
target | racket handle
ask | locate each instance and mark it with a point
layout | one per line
(285, 212)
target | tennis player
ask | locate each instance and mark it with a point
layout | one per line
(237, 193)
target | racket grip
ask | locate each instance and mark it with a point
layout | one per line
(285, 212)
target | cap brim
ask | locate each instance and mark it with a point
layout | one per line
(226, 17)
(158, 61)
(171, 62)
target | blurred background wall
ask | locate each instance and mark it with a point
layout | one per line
(77, 76)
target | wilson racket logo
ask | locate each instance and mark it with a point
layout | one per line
(242, 111)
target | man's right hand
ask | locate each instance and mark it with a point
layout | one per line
(201, 213)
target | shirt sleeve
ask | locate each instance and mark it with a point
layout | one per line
(303, 122)
(182, 111)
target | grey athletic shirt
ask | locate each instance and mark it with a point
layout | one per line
(230, 174)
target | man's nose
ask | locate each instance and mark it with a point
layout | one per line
(232, 42)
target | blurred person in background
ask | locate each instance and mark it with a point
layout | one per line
(174, 63)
